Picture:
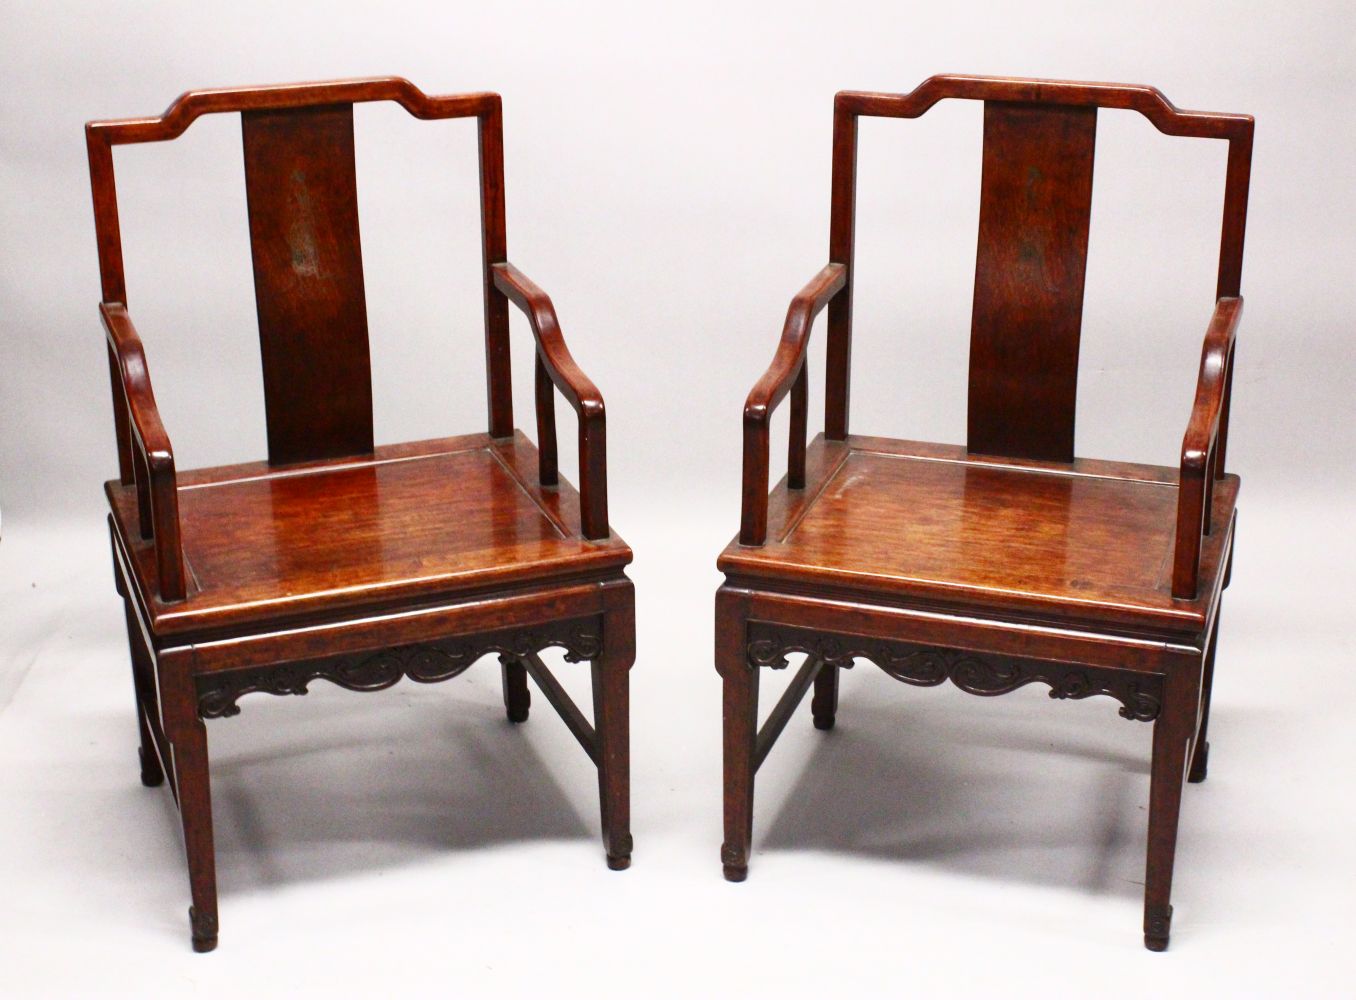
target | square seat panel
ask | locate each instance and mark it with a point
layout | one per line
(1084, 543)
(435, 519)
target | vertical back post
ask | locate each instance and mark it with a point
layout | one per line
(494, 247)
(842, 228)
(113, 287)
(1237, 177)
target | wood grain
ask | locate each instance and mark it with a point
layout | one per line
(308, 281)
(1034, 207)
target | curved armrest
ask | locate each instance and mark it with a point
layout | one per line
(555, 365)
(1203, 445)
(787, 372)
(153, 460)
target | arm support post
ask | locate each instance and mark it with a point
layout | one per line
(556, 365)
(787, 373)
(1203, 446)
(153, 464)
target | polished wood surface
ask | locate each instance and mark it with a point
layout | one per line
(1007, 561)
(1035, 202)
(335, 559)
(904, 521)
(302, 194)
(405, 522)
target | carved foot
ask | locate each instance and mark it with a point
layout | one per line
(735, 863)
(152, 775)
(1199, 764)
(620, 860)
(1157, 925)
(824, 720)
(204, 929)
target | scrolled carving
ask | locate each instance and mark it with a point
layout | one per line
(426, 663)
(1140, 695)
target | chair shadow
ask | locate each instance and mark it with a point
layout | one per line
(1028, 795)
(353, 784)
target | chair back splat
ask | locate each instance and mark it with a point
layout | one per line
(308, 281)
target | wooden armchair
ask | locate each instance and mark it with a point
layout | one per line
(1007, 561)
(336, 559)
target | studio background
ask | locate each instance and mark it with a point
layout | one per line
(667, 174)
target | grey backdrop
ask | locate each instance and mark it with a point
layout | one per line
(668, 174)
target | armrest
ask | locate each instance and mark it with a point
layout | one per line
(555, 365)
(1203, 445)
(153, 458)
(787, 372)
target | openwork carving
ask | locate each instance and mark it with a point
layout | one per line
(427, 663)
(1140, 695)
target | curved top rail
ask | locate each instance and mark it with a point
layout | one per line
(1148, 101)
(190, 106)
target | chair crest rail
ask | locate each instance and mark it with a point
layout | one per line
(1148, 101)
(192, 105)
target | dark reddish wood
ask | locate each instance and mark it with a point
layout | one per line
(494, 250)
(1009, 561)
(1200, 755)
(556, 362)
(1034, 205)
(1088, 541)
(1202, 449)
(787, 365)
(574, 719)
(396, 525)
(842, 238)
(739, 728)
(796, 439)
(611, 714)
(549, 465)
(308, 281)
(336, 560)
(153, 459)
(824, 706)
(517, 698)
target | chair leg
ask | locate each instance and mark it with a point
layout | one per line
(517, 699)
(1200, 757)
(824, 705)
(1172, 735)
(611, 720)
(143, 685)
(195, 809)
(740, 727)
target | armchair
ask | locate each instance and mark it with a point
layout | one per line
(1008, 560)
(338, 559)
